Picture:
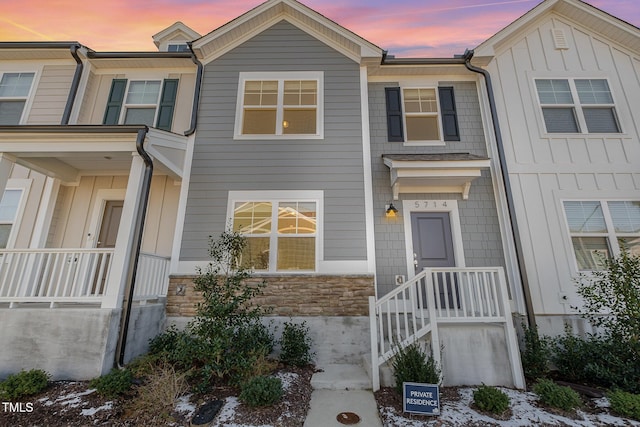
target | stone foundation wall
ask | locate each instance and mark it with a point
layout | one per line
(289, 295)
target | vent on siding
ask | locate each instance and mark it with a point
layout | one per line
(559, 38)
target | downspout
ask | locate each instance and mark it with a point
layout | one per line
(139, 230)
(196, 95)
(74, 84)
(531, 319)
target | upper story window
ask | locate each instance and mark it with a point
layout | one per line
(143, 102)
(14, 91)
(577, 106)
(282, 233)
(177, 47)
(279, 105)
(601, 228)
(421, 115)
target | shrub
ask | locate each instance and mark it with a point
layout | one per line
(412, 364)
(535, 354)
(157, 395)
(491, 399)
(261, 391)
(24, 383)
(115, 383)
(295, 344)
(625, 404)
(556, 396)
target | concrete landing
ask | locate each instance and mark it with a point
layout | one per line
(327, 404)
(341, 377)
(342, 389)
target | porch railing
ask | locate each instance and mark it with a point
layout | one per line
(78, 276)
(436, 296)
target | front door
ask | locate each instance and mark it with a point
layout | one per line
(433, 247)
(110, 224)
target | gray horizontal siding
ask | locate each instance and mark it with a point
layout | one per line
(332, 164)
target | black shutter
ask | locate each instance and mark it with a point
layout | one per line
(114, 102)
(167, 104)
(394, 114)
(449, 115)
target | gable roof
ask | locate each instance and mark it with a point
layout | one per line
(578, 11)
(246, 26)
(176, 31)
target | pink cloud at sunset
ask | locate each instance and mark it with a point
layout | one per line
(429, 28)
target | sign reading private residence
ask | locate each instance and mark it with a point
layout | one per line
(420, 398)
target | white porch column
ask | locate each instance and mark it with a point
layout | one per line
(6, 166)
(124, 242)
(45, 214)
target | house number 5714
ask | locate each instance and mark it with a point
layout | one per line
(425, 204)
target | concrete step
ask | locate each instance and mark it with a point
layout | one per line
(328, 405)
(341, 377)
(386, 373)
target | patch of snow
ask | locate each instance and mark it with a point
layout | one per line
(603, 402)
(92, 411)
(287, 379)
(184, 405)
(524, 413)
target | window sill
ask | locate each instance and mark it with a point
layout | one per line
(424, 143)
(586, 135)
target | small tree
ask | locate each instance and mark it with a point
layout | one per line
(227, 326)
(612, 297)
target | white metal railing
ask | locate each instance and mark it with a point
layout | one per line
(433, 296)
(152, 277)
(54, 275)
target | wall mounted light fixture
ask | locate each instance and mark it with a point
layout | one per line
(391, 211)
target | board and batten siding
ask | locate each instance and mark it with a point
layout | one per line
(481, 238)
(546, 169)
(51, 95)
(333, 164)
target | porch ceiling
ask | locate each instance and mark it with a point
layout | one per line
(67, 152)
(434, 173)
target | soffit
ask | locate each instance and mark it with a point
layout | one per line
(149, 63)
(434, 173)
(34, 54)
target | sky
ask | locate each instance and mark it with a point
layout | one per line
(405, 28)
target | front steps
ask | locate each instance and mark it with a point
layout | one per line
(341, 377)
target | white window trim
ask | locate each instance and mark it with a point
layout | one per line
(610, 234)
(438, 115)
(25, 186)
(280, 77)
(432, 205)
(577, 106)
(126, 106)
(316, 196)
(37, 72)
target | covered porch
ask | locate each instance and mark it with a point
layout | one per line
(90, 237)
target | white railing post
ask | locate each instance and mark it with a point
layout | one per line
(433, 320)
(373, 330)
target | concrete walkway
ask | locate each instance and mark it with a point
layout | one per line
(342, 389)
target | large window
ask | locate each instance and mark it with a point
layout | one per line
(601, 228)
(9, 205)
(279, 105)
(281, 234)
(577, 106)
(14, 91)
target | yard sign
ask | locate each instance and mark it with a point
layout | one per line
(421, 398)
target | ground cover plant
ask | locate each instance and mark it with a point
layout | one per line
(491, 399)
(24, 383)
(557, 396)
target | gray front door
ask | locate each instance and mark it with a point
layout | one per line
(110, 224)
(433, 247)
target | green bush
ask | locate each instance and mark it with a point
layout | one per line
(412, 364)
(535, 355)
(491, 399)
(556, 396)
(115, 383)
(625, 404)
(295, 344)
(261, 391)
(24, 383)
